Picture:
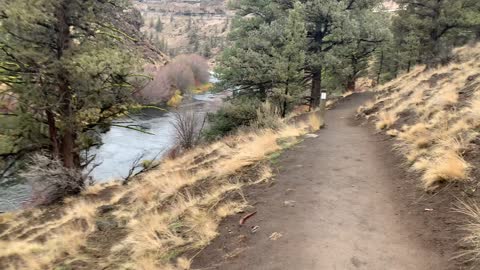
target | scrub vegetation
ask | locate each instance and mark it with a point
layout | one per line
(159, 221)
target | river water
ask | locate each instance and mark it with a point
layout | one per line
(122, 146)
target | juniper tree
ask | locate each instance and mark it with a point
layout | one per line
(289, 59)
(439, 25)
(328, 25)
(159, 25)
(246, 65)
(69, 64)
(364, 34)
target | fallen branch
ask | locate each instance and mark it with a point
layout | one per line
(244, 219)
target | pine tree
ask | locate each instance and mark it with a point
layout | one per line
(438, 24)
(207, 48)
(158, 25)
(245, 65)
(350, 61)
(289, 60)
(329, 24)
(70, 65)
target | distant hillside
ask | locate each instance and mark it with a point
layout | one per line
(186, 26)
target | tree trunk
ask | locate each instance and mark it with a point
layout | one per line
(380, 69)
(68, 151)
(316, 88)
(70, 156)
(285, 103)
(53, 134)
(352, 82)
(395, 71)
(351, 85)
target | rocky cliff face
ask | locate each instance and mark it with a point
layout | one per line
(186, 26)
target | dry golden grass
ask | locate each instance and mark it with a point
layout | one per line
(64, 235)
(441, 125)
(315, 121)
(385, 120)
(471, 240)
(170, 210)
(441, 109)
(448, 166)
(347, 94)
(366, 107)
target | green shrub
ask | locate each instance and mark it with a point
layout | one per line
(239, 113)
(236, 113)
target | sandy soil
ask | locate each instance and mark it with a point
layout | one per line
(339, 201)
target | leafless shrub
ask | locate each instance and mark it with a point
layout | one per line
(181, 75)
(50, 180)
(268, 117)
(197, 64)
(139, 166)
(160, 88)
(188, 127)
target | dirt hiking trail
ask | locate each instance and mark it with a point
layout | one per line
(335, 203)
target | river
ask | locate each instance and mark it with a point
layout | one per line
(122, 146)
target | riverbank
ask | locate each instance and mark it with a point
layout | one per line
(121, 147)
(159, 221)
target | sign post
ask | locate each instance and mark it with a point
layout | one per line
(323, 106)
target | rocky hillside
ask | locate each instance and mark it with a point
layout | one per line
(180, 27)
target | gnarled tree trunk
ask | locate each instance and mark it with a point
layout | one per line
(316, 88)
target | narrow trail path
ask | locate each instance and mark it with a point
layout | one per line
(342, 209)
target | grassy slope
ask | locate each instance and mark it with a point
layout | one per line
(435, 117)
(157, 222)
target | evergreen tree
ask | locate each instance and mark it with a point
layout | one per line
(289, 60)
(159, 25)
(193, 40)
(329, 26)
(350, 61)
(69, 64)
(439, 25)
(246, 64)
(207, 48)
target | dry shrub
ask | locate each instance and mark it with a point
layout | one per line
(315, 121)
(445, 97)
(386, 119)
(197, 64)
(181, 76)
(159, 88)
(268, 117)
(50, 180)
(183, 73)
(471, 210)
(448, 166)
(188, 128)
(366, 108)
